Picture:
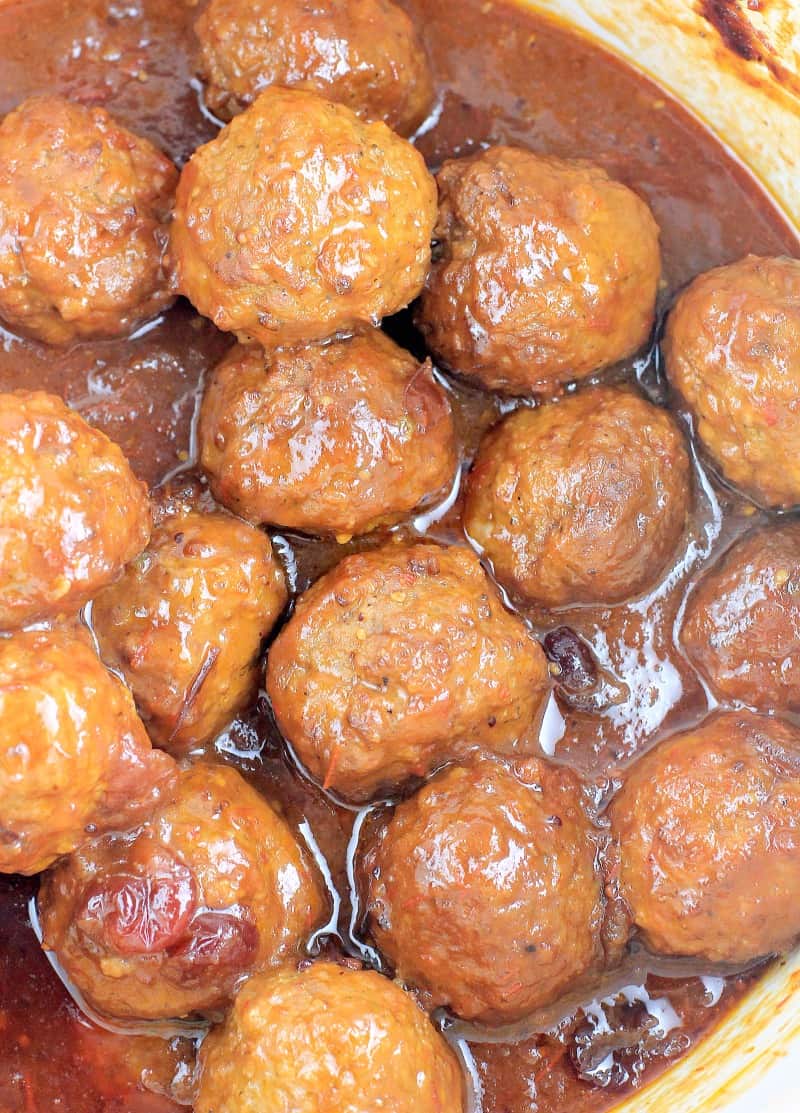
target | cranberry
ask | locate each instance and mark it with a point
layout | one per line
(134, 914)
(219, 939)
(577, 669)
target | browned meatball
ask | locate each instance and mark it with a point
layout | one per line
(709, 827)
(332, 439)
(362, 53)
(185, 623)
(300, 221)
(483, 889)
(72, 513)
(732, 348)
(547, 271)
(167, 918)
(346, 1041)
(742, 622)
(580, 501)
(395, 661)
(84, 206)
(74, 757)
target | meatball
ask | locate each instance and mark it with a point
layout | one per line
(72, 513)
(74, 757)
(361, 53)
(300, 221)
(709, 828)
(84, 206)
(580, 501)
(329, 440)
(741, 626)
(167, 918)
(397, 660)
(547, 271)
(483, 889)
(348, 1041)
(185, 623)
(732, 350)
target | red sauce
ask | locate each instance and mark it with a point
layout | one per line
(503, 76)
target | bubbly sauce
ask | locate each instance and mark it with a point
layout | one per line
(503, 75)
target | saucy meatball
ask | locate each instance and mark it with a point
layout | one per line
(580, 501)
(709, 829)
(72, 513)
(329, 440)
(74, 757)
(547, 271)
(185, 623)
(84, 206)
(395, 661)
(362, 53)
(483, 889)
(732, 349)
(300, 221)
(167, 918)
(348, 1041)
(741, 626)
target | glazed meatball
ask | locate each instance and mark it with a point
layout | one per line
(74, 757)
(72, 513)
(580, 501)
(483, 889)
(741, 626)
(547, 271)
(185, 623)
(397, 660)
(300, 221)
(361, 53)
(348, 1041)
(84, 206)
(167, 918)
(709, 828)
(732, 348)
(328, 440)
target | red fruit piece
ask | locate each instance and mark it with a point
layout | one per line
(218, 939)
(136, 915)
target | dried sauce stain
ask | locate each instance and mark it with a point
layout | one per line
(732, 24)
(749, 30)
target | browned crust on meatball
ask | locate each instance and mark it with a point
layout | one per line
(484, 889)
(365, 54)
(167, 918)
(741, 626)
(74, 757)
(580, 501)
(380, 1049)
(299, 221)
(732, 349)
(709, 828)
(331, 440)
(84, 207)
(72, 513)
(547, 271)
(397, 660)
(186, 621)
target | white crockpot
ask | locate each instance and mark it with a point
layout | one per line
(738, 69)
